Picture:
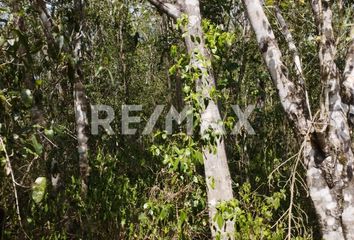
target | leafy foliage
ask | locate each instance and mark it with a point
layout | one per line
(147, 187)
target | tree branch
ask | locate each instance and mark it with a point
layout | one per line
(10, 170)
(170, 9)
(295, 53)
(291, 96)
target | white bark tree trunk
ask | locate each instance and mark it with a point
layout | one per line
(217, 174)
(80, 99)
(76, 76)
(80, 106)
(327, 144)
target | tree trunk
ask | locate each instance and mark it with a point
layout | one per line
(326, 144)
(217, 174)
(80, 106)
(76, 76)
(80, 99)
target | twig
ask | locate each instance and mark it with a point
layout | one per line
(277, 169)
(28, 170)
(292, 191)
(45, 137)
(8, 162)
(295, 54)
(293, 179)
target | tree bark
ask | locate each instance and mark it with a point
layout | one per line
(217, 174)
(80, 99)
(76, 76)
(348, 83)
(80, 106)
(327, 144)
(295, 54)
(170, 9)
(291, 96)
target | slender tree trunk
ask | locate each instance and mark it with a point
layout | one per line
(217, 174)
(80, 99)
(326, 144)
(179, 95)
(122, 57)
(80, 105)
(75, 75)
(295, 54)
(337, 166)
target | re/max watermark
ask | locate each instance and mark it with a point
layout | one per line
(129, 116)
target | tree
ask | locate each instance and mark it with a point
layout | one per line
(217, 174)
(56, 57)
(75, 76)
(326, 137)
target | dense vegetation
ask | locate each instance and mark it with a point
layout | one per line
(60, 181)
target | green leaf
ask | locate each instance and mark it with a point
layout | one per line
(163, 213)
(172, 70)
(219, 220)
(38, 189)
(199, 156)
(11, 41)
(269, 2)
(186, 89)
(49, 132)
(182, 218)
(38, 148)
(39, 82)
(164, 136)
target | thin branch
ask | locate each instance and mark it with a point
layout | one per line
(290, 93)
(292, 191)
(46, 138)
(277, 169)
(14, 183)
(28, 169)
(295, 54)
(168, 8)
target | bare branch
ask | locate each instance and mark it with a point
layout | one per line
(170, 9)
(290, 94)
(295, 53)
(9, 167)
